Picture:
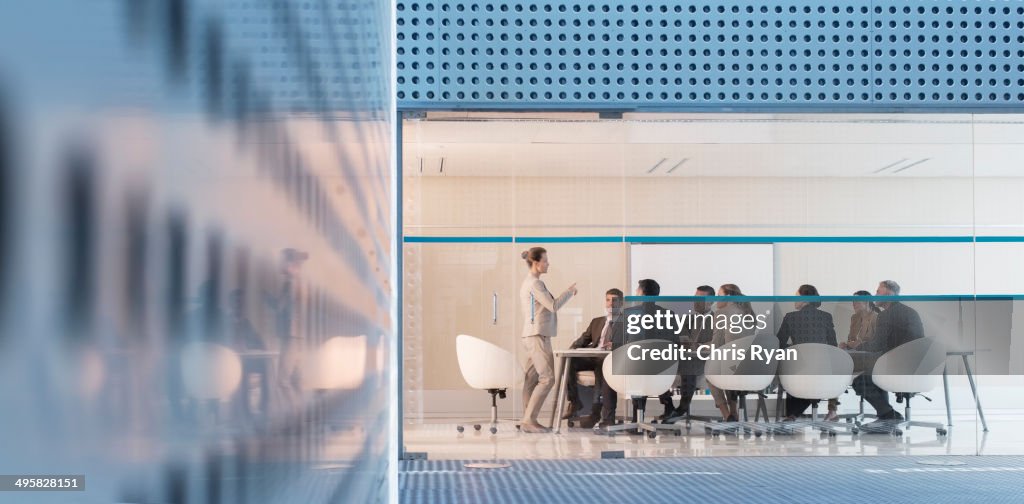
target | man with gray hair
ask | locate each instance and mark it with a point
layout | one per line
(896, 325)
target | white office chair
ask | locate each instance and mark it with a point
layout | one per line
(486, 366)
(210, 371)
(636, 387)
(820, 372)
(742, 376)
(912, 368)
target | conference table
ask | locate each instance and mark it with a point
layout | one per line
(562, 377)
(963, 354)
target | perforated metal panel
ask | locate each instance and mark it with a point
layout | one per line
(314, 55)
(692, 54)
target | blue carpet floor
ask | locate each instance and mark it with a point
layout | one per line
(812, 480)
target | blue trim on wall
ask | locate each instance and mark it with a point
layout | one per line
(458, 239)
(713, 239)
(569, 239)
(799, 239)
(826, 299)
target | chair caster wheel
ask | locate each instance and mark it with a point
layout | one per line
(855, 431)
(652, 435)
(570, 423)
(678, 433)
(494, 430)
(476, 427)
(518, 427)
(831, 434)
(757, 434)
(460, 428)
(941, 432)
(897, 432)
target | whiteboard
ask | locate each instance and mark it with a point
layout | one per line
(680, 268)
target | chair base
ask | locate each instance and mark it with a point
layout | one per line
(940, 429)
(896, 427)
(650, 429)
(495, 394)
(492, 426)
(826, 428)
(641, 424)
(681, 423)
(744, 426)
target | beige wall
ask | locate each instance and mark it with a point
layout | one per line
(449, 287)
(559, 206)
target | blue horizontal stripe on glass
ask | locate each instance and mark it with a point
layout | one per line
(712, 239)
(799, 239)
(569, 239)
(457, 239)
(827, 299)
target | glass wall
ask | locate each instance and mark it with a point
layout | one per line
(767, 202)
(195, 250)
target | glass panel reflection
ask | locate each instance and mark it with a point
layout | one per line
(195, 238)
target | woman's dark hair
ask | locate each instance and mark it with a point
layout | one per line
(533, 255)
(734, 290)
(809, 290)
(871, 304)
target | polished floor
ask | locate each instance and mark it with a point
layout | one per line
(790, 480)
(441, 441)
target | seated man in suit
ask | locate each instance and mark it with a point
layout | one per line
(896, 325)
(599, 334)
(650, 287)
(692, 336)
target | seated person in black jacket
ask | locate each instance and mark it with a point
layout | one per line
(692, 336)
(650, 287)
(604, 332)
(897, 324)
(808, 324)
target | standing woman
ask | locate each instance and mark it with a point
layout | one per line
(539, 308)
